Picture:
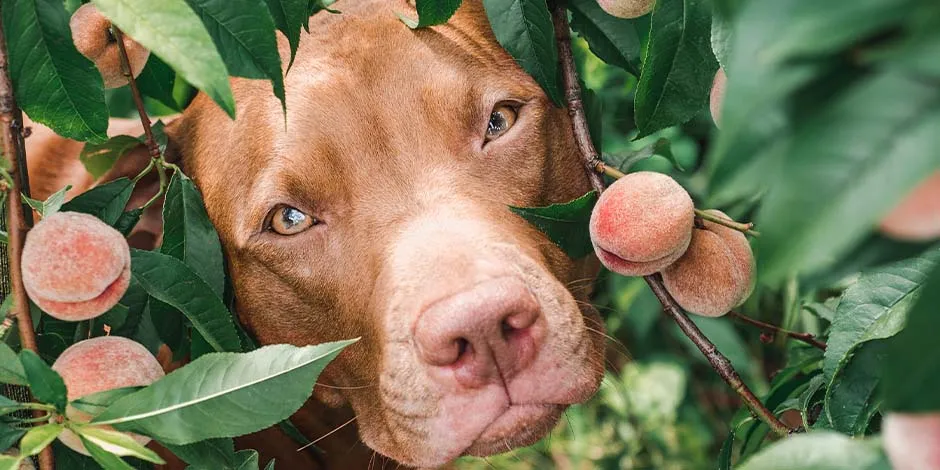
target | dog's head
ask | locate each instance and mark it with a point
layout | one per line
(380, 209)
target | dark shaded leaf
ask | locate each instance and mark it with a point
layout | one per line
(170, 281)
(432, 13)
(99, 158)
(565, 224)
(188, 234)
(53, 83)
(679, 66)
(45, 384)
(243, 32)
(614, 40)
(289, 16)
(910, 373)
(105, 202)
(524, 28)
(156, 81)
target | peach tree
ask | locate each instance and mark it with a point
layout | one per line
(828, 141)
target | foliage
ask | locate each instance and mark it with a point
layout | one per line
(829, 120)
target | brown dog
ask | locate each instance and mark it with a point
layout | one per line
(380, 210)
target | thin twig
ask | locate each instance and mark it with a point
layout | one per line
(595, 167)
(152, 146)
(807, 338)
(19, 218)
(741, 227)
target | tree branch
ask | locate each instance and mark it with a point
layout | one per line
(19, 217)
(151, 143)
(807, 338)
(595, 168)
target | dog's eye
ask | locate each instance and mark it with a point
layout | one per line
(501, 119)
(287, 220)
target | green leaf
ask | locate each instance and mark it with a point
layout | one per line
(95, 403)
(9, 436)
(170, 281)
(798, 46)
(815, 451)
(53, 83)
(243, 32)
(289, 16)
(156, 81)
(910, 373)
(624, 161)
(828, 161)
(679, 66)
(851, 400)
(432, 13)
(224, 394)
(105, 202)
(107, 460)
(565, 224)
(117, 443)
(46, 384)
(99, 158)
(10, 463)
(875, 307)
(614, 40)
(270, 465)
(172, 31)
(36, 439)
(11, 370)
(188, 234)
(51, 205)
(209, 454)
(128, 220)
(524, 28)
(246, 460)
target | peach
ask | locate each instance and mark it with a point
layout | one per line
(99, 364)
(91, 33)
(642, 223)
(626, 8)
(717, 95)
(912, 441)
(917, 217)
(75, 267)
(715, 274)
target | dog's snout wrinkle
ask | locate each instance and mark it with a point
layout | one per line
(482, 335)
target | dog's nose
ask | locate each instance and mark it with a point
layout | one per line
(481, 335)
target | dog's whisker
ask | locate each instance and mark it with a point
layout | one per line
(341, 426)
(353, 387)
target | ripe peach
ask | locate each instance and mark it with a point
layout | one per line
(626, 8)
(642, 223)
(912, 441)
(717, 95)
(917, 217)
(91, 33)
(715, 274)
(75, 266)
(99, 364)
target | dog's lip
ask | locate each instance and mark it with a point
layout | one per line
(518, 425)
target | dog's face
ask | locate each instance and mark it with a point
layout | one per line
(380, 210)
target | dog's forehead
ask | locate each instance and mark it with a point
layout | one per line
(362, 85)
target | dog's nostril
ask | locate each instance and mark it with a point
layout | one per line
(462, 346)
(506, 327)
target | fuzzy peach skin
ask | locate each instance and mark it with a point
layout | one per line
(912, 441)
(92, 37)
(917, 217)
(75, 267)
(99, 364)
(711, 277)
(642, 223)
(739, 246)
(717, 95)
(626, 8)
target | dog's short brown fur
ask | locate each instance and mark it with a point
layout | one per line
(414, 243)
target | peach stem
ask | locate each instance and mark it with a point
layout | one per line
(18, 219)
(595, 167)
